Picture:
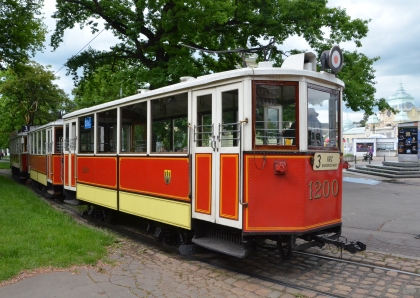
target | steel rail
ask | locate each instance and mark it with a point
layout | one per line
(356, 263)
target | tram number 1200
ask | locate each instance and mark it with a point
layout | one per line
(319, 189)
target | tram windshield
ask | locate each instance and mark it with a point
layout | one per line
(275, 114)
(323, 111)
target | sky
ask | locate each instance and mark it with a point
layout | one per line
(393, 35)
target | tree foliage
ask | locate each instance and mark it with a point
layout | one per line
(28, 96)
(152, 35)
(359, 76)
(22, 31)
(107, 83)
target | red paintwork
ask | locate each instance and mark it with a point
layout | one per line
(66, 171)
(282, 202)
(38, 163)
(203, 183)
(229, 197)
(55, 169)
(24, 163)
(73, 170)
(69, 181)
(98, 171)
(146, 175)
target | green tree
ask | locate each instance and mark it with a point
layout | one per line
(359, 76)
(108, 82)
(364, 120)
(152, 36)
(28, 96)
(22, 31)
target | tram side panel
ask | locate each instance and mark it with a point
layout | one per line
(54, 174)
(69, 177)
(281, 202)
(154, 188)
(97, 180)
(38, 171)
(157, 176)
(19, 161)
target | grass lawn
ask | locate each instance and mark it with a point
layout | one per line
(4, 165)
(34, 235)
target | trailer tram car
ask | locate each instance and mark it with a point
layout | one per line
(224, 161)
(44, 157)
(18, 154)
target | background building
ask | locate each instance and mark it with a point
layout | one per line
(382, 131)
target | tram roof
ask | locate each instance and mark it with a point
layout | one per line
(58, 122)
(260, 72)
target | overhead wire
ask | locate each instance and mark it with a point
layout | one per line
(81, 49)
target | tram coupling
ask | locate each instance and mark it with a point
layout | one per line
(352, 247)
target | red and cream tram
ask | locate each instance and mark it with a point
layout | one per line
(44, 157)
(18, 154)
(231, 158)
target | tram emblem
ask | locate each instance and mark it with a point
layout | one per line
(167, 176)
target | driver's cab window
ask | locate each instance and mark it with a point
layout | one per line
(275, 107)
(323, 120)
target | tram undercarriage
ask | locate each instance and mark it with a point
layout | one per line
(225, 240)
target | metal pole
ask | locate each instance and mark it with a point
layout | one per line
(355, 159)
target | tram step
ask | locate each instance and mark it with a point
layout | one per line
(72, 202)
(53, 192)
(223, 246)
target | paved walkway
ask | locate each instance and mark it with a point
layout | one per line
(136, 270)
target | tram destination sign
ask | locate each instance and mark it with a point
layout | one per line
(326, 161)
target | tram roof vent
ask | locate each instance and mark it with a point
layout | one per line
(300, 61)
(265, 64)
(184, 79)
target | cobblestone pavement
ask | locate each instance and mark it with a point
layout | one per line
(341, 279)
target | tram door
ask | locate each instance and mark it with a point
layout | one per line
(216, 155)
(69, 156)
(49, 147)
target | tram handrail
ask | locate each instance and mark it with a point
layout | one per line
(197, 133)
(241, 166)
(62, 161)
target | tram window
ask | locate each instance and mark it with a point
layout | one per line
(39, 141)
(44, 141)
(134, 128)
(29, 140)
(323, 117)
(86, 129)
(66, 138)
(204, 129)
(107, 131)
(230, 128)
(275, 114)
(170, 123)
(49, 143)
(58, 140)
(25, 148)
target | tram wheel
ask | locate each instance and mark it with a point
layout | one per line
(284, 245)
(107, 215)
